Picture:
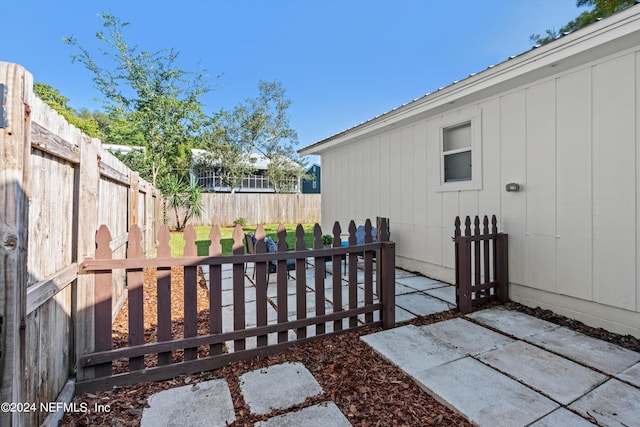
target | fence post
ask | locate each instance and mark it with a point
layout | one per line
(15, 145)
(87, 224)
(463, 276)
(149, 235)
(134, 189)
(103, 299)
(502, 270)
(387, 273)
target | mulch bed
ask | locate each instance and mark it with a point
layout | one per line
(367, 389)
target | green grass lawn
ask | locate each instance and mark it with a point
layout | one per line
(203, 242)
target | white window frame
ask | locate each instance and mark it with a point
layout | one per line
(475, 183)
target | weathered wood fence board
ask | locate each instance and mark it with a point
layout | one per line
(270, 336)
(481, 264)
(57, 185)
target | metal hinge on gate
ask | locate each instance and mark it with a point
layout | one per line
(3, 107)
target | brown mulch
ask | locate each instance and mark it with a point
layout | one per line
(367, 389)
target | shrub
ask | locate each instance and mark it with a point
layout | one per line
(327, 239)
(240, 221)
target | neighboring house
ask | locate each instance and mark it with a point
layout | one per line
(311, 185)
(562, 121)
(122, 149)
(208, 178)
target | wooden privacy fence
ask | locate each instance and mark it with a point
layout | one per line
(256, 208)
(266, 322)
(57, 185)
(481, 264)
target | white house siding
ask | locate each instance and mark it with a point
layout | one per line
(570, 140)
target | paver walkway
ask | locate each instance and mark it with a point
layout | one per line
(531, 373)
(277, 387)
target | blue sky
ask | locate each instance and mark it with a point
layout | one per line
(341, 61)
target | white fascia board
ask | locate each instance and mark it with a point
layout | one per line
(564, 53)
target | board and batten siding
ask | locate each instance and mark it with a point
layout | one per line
(570, 140)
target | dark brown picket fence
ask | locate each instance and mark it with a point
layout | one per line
(226, 343)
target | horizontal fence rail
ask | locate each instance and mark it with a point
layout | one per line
(482, 273)
(301, 304)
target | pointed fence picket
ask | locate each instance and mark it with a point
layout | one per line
(291, 323)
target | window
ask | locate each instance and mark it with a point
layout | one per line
(456, 153)
(460, 150)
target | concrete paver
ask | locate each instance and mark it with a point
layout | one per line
(321, 415)
(483, 395)
(631, 375)
(607, 357)
(278, 387)
(421, 304)
(419, 283)
(466, 336)
(402, 289)
(562, 418)
(511, 322)
(411, 349)
(540, 370)
(446, 293)
(614, 403)
(206, 403)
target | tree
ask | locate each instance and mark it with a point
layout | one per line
(60, 103)
(257, 125)
(602, 9)
(184, 196)
(156, 103)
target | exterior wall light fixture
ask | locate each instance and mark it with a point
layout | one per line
(512, 186)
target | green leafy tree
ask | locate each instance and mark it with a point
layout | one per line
(257, 125)
(601, 9)
(284, 174)
(58, 102)
(151, 101)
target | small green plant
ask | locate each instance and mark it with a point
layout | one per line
(327, 239)
(240, 221)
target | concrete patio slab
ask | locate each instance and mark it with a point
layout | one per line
(556, 377)
(612, 404)
(403, 273)
(483, 395)
(466, 336)
(446, 293)
(421, 304)
(278, 387)
(401, 315)
(631, 375)
(206, 403)
(402, 289)
(321, 415)
(514, 323)
(604, 356)
(562, 418)
(411, 349)
(419, 283)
